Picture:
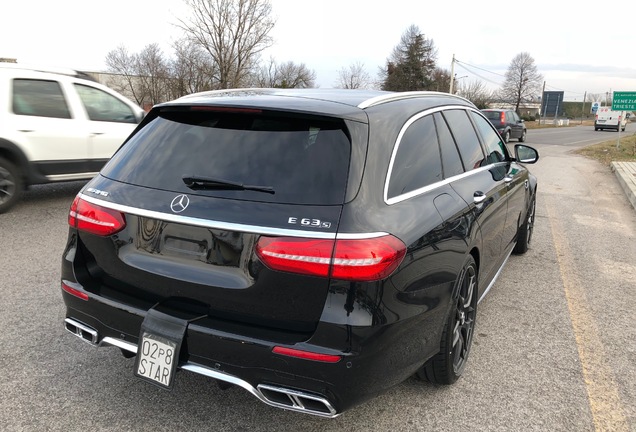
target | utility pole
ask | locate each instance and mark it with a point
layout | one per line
(543, 106)
(452, 77)
(583, 107)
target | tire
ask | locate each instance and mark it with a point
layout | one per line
(447, 365)
(522, 138)
(11, 185)
(506, 136)
(595, 129)
(524, 233)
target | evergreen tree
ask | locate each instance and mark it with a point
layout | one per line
(411, 64)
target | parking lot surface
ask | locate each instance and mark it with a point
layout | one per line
(554, 348)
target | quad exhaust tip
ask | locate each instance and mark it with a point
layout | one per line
(279, 397)
(82, 331)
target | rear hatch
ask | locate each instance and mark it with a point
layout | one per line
(496, 117)
(207, 194)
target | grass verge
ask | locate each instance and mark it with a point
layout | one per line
(607, 152)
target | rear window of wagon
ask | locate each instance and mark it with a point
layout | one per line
(304, 159)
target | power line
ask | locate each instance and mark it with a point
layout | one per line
(478, 75)
(477, 67)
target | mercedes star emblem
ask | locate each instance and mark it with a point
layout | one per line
(179, 203)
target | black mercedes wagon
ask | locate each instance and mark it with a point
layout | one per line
(314, 247)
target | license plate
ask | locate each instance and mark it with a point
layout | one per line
(157, 360)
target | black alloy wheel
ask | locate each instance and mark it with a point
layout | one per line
(10, 185)
(524, 235)
(447, 366)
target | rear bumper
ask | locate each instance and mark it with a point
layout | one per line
(606, 126)
(384, 356)
(280, 397)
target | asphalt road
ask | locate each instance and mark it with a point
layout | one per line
(554, 349)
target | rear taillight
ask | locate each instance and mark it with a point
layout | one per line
(502, 117)
(355, 259)
(95, 219)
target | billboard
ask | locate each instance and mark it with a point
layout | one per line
(552, 104)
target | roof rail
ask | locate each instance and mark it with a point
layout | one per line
(46, 69)
(390, 97)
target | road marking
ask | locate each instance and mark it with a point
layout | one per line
(605, 404)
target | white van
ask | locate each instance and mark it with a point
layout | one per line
(608, 119)
(56, 125)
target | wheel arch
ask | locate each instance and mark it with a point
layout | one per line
(475, 253)
(16, 156)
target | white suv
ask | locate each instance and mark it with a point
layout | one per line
(56, 125)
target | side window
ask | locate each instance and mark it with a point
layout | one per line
(101, 106)
(39, 98)
(494, 145)
(466, 138)
(417, 162)
(451, 162)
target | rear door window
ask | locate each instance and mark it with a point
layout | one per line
(304, 160)
(466, 138)
(451, 161)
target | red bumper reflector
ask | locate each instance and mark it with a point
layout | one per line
(307, 355)
(75, 292)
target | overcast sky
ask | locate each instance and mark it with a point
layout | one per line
(328, 35)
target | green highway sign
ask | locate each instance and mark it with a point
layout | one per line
(624, 101)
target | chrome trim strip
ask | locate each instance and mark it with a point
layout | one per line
(67, 177)
(128, 346)
(378, 100)
(439, 184)
(206, 223)
(225, 377)
(416, 192)
(496, 275)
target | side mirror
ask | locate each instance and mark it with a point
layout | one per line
(526, 154)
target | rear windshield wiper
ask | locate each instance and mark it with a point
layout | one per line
(200, 182)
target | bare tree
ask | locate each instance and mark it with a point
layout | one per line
(284, 75)
(120, 62)
(476, 92)
(523, 81)
(233, 33)
(293, 75)
(153, 73)
(354, 77)
(143, 75)
(191, 70)
(440, 79)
